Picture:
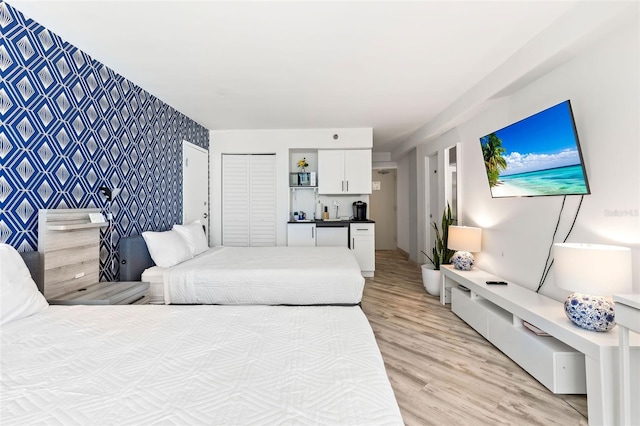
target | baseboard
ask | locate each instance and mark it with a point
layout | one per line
(404, 253)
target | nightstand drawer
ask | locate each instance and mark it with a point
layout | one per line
(107, 293)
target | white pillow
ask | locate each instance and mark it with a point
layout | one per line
(19, 295)
(166, 248)
(194, 236)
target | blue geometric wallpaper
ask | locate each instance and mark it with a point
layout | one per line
(71, 125)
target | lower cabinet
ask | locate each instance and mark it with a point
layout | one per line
(301, 234)
(362, 241)
(330, 236)
(363, 245)
(107, 293)
(559, 367)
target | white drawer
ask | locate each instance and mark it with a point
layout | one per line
(361, 228)
(554, 364)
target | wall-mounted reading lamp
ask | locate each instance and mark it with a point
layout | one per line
(108, 193)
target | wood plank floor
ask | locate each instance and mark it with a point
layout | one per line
(441, 370)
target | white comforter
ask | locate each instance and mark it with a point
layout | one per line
(223, 365)
(267, 275)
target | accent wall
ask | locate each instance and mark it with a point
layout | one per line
(70, 125)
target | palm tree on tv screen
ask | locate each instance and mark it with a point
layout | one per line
(492, 151)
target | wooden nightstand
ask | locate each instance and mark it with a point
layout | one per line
(107, 293)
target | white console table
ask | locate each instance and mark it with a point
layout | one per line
(628, 318)
(497, 312)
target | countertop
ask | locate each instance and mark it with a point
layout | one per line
(331, 223)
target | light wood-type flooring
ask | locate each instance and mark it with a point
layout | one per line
(441, 370)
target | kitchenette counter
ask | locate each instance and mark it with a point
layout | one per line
(331, 223)
(357, 235)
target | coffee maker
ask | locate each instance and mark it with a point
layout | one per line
(359, 210)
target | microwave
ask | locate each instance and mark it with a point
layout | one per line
(302, 179)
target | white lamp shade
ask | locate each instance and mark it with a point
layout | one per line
(464, 238)
(593, 269)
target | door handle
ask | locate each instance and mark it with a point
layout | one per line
(312, 233)
(204, 215)
(347, 186)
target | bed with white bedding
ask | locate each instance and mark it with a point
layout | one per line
(266, 275)
(178, 364)
(246, 275)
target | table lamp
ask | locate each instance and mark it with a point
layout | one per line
(465, 239)
(593, 272)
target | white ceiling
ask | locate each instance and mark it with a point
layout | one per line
(390, 65)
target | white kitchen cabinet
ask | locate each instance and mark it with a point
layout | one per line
(363, 246)
(332, 236)
(344, 171)
(301, 234)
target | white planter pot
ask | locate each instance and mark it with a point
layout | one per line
(431, 280)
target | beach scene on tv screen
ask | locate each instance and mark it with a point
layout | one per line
(535, 157)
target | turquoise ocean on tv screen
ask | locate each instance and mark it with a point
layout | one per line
(561, 180)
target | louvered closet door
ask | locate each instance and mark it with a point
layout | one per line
(262, 196)
(235, 200)
(248, 200)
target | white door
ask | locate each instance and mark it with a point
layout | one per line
(451, 181)
(382, 208)
(235, 200)
(248, 200)
(195, 184)
(435, 215)
(262, 196)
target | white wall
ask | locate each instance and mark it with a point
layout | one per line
(278, 142)
(423, 225)
(402, 196)
(603, 85)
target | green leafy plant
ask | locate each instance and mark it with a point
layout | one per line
(440, 254)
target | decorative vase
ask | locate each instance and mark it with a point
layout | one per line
(463, 260)
(431, 280)
(595, 313)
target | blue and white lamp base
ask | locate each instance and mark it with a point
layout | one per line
(594, 313)
(463, 260)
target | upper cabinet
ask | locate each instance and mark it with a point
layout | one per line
(344, 171)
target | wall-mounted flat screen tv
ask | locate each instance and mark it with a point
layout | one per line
(537, 156)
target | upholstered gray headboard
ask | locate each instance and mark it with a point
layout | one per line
(32, 260)
(134, 258)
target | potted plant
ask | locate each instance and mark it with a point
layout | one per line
(440, 254)
(302, 164)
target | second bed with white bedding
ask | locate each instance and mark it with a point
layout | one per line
(194, 365)
(265, 275)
